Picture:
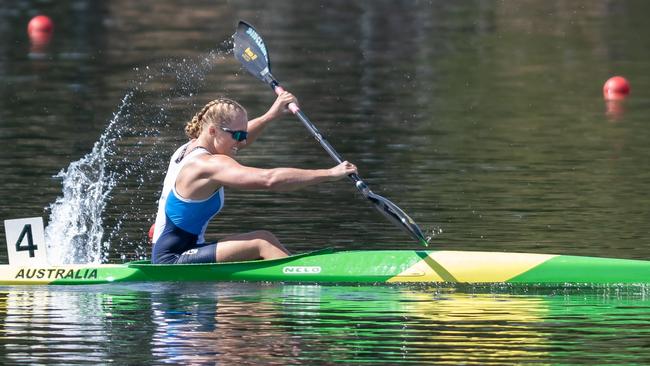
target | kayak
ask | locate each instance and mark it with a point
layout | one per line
(362, 266)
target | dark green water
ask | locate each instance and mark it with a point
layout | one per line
(302, 324)
(482, 119)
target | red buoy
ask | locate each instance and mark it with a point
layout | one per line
(616, 88)
(151, 229)
(40, 24)
(40, 30)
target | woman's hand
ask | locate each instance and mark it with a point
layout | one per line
(281, 105)
(342, 170)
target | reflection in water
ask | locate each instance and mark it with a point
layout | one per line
(239, 323)
(614, 110)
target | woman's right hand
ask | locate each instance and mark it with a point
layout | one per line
(343, 170)
(281, 105)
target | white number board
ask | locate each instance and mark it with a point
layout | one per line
(26, 241)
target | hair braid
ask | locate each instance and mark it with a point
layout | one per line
(220, 110)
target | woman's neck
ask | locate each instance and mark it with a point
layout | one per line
(201, 142)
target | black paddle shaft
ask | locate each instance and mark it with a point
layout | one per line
(251, 52)
(359, 183)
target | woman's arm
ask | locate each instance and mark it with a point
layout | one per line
(202, 177)
(228, 172)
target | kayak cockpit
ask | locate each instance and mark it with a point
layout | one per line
(147, 263)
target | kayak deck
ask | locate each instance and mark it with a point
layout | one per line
(373, 266)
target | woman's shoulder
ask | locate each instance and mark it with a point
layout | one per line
(211, 162)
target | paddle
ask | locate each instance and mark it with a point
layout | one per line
(251, 52)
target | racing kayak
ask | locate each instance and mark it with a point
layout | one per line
(363, 266)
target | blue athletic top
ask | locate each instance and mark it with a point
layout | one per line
(180, 222)
(193, 216)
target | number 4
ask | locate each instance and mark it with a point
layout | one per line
(23, 236)
(27, 230)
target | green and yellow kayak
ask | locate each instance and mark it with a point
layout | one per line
(363, 266)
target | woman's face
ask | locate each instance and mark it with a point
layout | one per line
(225, 142)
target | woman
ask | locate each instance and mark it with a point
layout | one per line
(193, 191)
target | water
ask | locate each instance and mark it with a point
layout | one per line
(74, 233)
(483, 120)
(302, 324)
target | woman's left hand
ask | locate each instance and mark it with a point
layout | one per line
(281, 105)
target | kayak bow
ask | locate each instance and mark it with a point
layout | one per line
(372, 266)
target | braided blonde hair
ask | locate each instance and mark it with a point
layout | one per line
(220, 110)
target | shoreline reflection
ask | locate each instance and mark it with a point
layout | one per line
(245, 323)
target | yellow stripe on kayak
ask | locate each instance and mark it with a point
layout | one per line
(8, 277)
(11, 275)
(455, 266)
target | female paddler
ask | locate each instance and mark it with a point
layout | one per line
(199, 170)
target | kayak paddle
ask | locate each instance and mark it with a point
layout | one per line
(251, 52)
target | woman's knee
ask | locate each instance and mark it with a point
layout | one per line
(267, 236)
(269, 246)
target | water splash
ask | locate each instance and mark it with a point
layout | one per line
(128, 148)
(75, 231)
(431, 234)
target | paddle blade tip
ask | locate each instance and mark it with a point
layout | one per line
(419, 237)
(243, 25)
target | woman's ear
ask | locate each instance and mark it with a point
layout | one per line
(212, 130)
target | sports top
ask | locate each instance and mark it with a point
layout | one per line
(190, 215)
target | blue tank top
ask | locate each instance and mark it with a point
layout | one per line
(193, 216)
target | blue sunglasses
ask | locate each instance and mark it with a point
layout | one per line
(238, 135)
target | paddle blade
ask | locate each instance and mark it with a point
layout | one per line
(250, 51)
(395, 215)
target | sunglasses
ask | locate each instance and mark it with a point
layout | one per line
(238, 135)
